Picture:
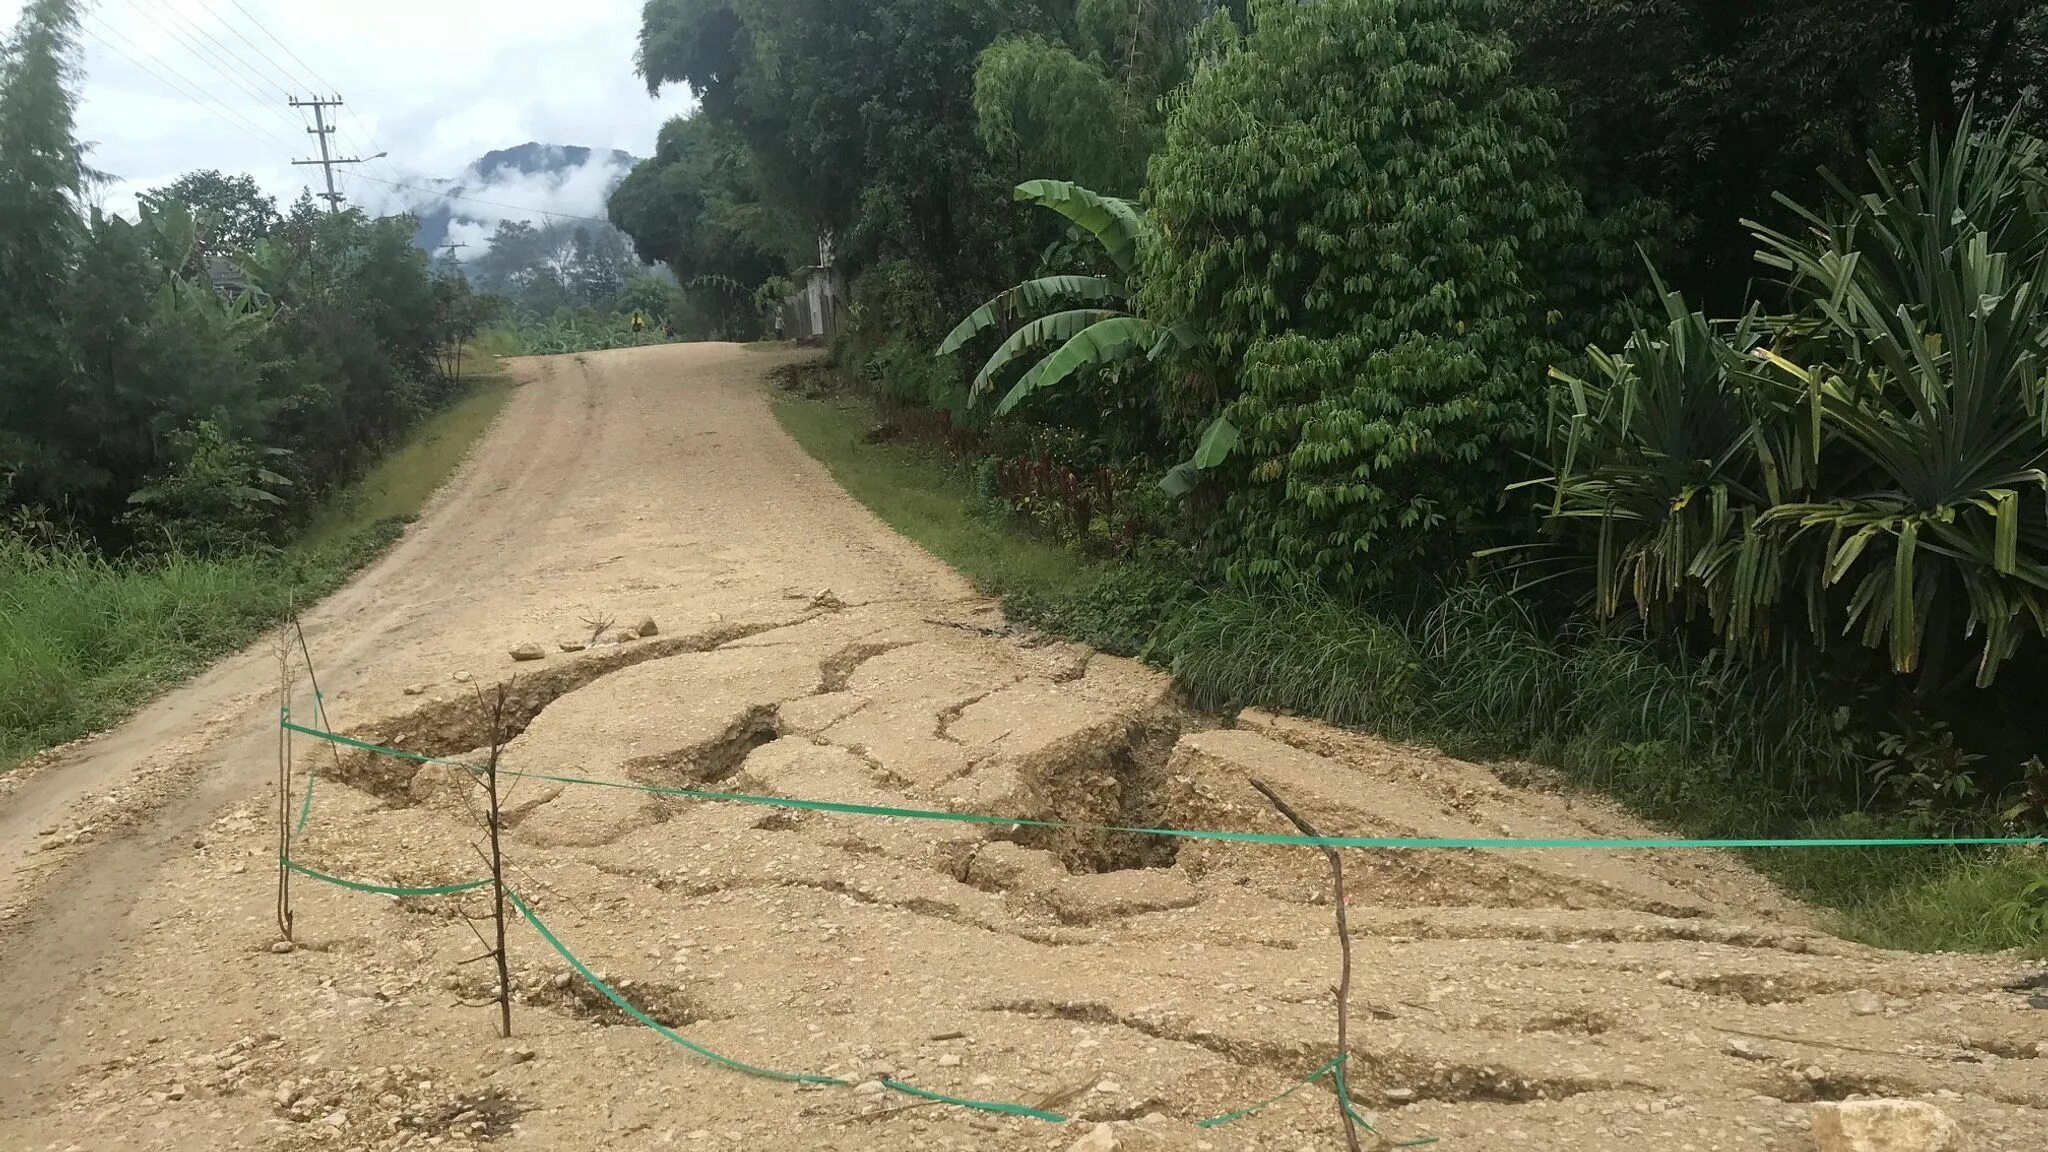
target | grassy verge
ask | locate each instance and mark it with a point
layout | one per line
(1685, 743)
(86, 641)
(924, 498)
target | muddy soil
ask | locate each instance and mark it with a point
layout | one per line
(1568, 999)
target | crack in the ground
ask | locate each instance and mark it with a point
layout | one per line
(836, 671)
(461, 723)
(714, 760)
(1440, 1080)
(942, 727)
(1108, 774)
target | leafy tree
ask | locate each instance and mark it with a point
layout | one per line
(42, 175)
(1349, 204)
(694, 206)
(857, 118)
(234, 211)
(1712, 106)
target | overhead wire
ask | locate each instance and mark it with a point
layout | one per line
(184, 86)
(211, 60)
(289, 82)
(322, 82)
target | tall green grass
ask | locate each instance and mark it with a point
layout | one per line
(84, 640)
(1708, 748)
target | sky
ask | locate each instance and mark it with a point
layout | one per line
(175, 85)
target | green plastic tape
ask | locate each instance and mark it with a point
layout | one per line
(382, 889)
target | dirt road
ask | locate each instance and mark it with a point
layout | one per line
(1573, 1000)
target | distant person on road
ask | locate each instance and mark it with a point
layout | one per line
(639, 323)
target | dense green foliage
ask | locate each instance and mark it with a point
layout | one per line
(1713, 107)
(1361, 211)
(194, 379)
(183, 393)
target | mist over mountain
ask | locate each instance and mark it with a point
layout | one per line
(533, 182)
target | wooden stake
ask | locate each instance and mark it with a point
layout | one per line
(498, 863)
(1344, 943)
(284, 789)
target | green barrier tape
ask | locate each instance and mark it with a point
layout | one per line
(977, 1105)
(669, 1034)
(1291, 839)
(1241, 1113)
(382, 889)
(1344, 1102)
(666, 1033)
(319, 713)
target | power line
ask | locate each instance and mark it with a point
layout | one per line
(323, 82)
(314, 72)
(192, 91)
(290, 82)
(205, 57)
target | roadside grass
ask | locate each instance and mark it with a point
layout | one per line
(85, 640)
(399, 485)
(1708, 750)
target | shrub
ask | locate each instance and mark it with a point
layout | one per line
(1348, 203)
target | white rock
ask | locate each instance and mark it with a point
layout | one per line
(282, 947)
(949, 1060)
(869, 1088)
(1886, 1126)
(527, 652)
(1864, 1003)
(1109, 1087)
(336, 1119)
(1101, 1138)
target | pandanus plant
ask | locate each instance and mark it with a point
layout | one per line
(1879, 453)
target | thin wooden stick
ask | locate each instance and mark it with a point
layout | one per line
(498, 863)
(284, 790)
(1344, 943)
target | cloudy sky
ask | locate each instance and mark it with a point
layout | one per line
(174, 85)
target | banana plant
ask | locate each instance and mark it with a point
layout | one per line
(1103, 330)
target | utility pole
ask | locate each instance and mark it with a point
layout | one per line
(322, 130)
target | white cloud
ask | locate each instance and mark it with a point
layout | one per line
(433, 82)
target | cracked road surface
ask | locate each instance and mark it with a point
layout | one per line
(1569, 999)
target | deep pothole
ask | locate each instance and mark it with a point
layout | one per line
(463, 723)
(715, 760)
(1104, 778)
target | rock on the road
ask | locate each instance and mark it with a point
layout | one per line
(529, 652)
(1886, 1126)
(1101, 1138)
(648, 628)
